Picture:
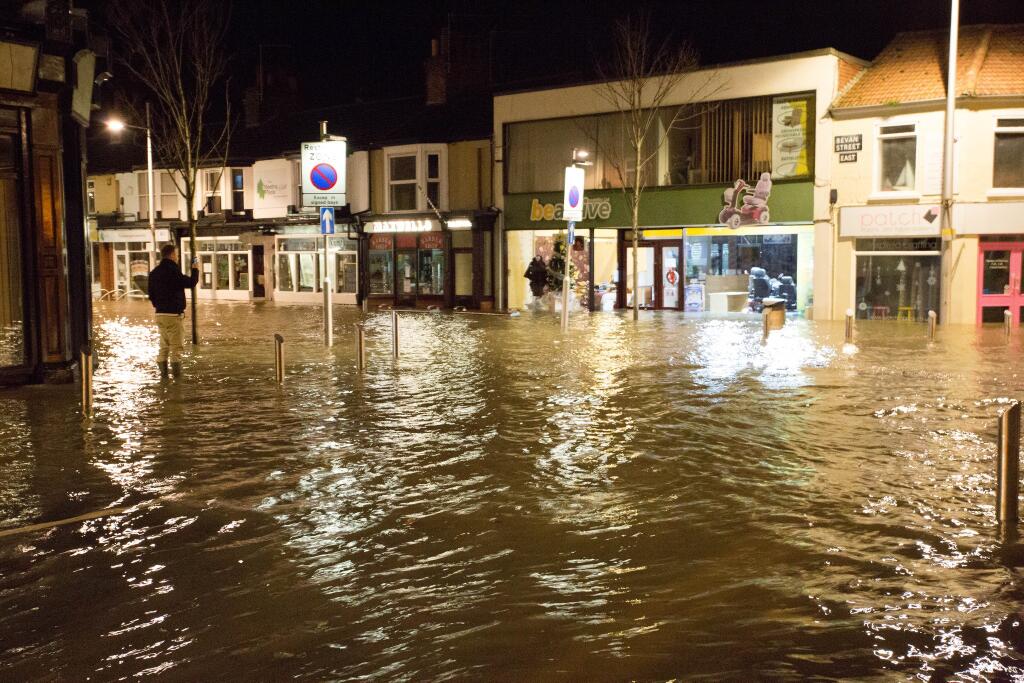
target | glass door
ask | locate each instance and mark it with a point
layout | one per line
(999, 282)
(405, 271)
(669, 277)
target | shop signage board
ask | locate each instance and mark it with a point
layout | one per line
(893, 220)
(326, 220)
(405, 225)
(323, 173)
(848, 157)
(572, 198)
(848, 143)
(138, 235)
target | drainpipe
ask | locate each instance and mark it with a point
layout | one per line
(946, 214)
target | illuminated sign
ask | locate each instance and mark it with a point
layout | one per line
(599, 208)
(409, 225)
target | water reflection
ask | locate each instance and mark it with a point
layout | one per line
(664, 499)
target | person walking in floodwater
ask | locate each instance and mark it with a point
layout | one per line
(167, 285)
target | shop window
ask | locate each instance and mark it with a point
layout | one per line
(416, 174)
(405, 265)
(381, 272)
(1008, 158)
(91, 197)
(240, 271)
(897, 151)
(285, 280)
(346, 272)
(307, 272)
(431, 272)
(900, 286)
(223, 272)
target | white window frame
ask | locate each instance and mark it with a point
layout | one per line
(996, 129)
(212, 190)
(420, 152)
(878, 192)
(186, 263)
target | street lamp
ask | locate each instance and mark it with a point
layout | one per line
(116, 126)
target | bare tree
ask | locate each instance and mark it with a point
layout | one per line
(175, 50)
(638, 78)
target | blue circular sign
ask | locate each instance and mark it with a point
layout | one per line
(323, 176)
(574, 196)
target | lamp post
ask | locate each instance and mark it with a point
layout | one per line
(116, 126)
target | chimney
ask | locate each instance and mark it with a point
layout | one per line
(436, 69)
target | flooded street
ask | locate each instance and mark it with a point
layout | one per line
(664, 499)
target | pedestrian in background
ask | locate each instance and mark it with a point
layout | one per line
(167, 285)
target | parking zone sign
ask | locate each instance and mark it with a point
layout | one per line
(323, 173)
(572, 199)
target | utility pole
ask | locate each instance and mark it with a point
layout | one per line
(948, 137)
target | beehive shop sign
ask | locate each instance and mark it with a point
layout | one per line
(594, 209)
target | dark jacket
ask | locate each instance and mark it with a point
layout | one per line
(167, 285)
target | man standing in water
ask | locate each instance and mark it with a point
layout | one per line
(167, 285)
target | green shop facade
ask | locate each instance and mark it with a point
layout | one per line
(697, 245)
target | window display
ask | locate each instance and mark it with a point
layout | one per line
(431, 272)
(381, 272)
(903, 285)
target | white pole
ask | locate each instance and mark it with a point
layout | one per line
(946, 215)
(565, 284)
(149, 171)
(328, 288)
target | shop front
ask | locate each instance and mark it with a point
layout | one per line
(230, 269)
(1000, 279)
(896, 268)
(421, 262)
(299, 267)
(126, 257)
(685, 260)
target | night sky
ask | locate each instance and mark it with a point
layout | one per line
(345, 50)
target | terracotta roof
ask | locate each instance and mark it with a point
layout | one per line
(990, 62)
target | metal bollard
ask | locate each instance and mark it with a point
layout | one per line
(933, 319)
(360, 347)
(849, 325)
(279, 358)
(1008, 464)
(1007, 323)
(86, 367)
(394, 332)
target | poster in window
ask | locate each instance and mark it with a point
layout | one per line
(789, 136)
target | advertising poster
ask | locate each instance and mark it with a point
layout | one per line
(694, 298)
(789, 137)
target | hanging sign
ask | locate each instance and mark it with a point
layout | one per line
(323, 173)
(572, 200)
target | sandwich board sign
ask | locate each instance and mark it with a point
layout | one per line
(323, 173)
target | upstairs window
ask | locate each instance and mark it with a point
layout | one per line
(416, 178)
(897, 151)
(402, 178)
(237, 190)
(213, 193)
(1008, 158)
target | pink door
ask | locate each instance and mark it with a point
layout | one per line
(999, 282)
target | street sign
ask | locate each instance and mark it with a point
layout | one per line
(572, 235)
(323, 173)
(326, 220)
(572, 200)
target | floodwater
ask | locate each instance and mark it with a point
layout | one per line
(666, 499)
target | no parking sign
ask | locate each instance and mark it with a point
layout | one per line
(572, 200)
(323, 173)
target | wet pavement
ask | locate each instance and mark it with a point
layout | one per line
(670, 498)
